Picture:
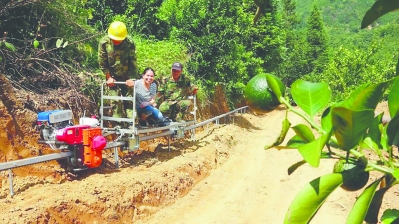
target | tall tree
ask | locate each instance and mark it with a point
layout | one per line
(214, 32)
(268, 38)
(290, 16)
(293, 66)
(139, 15)
(317, 40)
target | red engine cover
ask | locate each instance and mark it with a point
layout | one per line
(71, 135)
(93, 143)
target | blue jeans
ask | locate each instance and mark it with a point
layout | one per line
(151, 112)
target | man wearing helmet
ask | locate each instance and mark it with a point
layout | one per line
(117, 60)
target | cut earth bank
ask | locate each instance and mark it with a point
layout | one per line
(223, 177)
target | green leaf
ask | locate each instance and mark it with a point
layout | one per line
(379, 8)
(366, 96)
(361, 206)
(384, 139)
(393, 131)
(396, 174)
(326, 121)
(375, 205)
(65, 44)
(295, 142)
(284, 130)
(393, 99)
(59, 43)
(295, 166)
(311, 197)
(351, 99)
(370, 96)
(276, 85)
(36, 43)
(310, 97)
(389, 216)
(368, 143)
(304, 132)
(10, 46)
(311, 152)
(350, 126)
(372, 139)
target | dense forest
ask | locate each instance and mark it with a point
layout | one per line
(43, 42)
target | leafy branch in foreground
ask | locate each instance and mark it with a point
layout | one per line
(348, 129)
(349, 132)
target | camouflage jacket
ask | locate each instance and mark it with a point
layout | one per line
(120, 61)
(172, 90)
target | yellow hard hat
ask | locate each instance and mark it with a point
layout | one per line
(117, 30)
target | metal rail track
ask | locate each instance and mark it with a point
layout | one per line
(34, 160)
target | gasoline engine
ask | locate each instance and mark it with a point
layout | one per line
(48, 122)
(84, 140)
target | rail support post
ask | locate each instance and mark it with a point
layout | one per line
(10, 179)
(116, 156)
(168, 143)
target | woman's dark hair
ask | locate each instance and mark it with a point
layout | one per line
(148, 69)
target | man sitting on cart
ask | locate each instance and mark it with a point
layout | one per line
(175, 91)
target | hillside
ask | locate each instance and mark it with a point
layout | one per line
(343, 16)
(342, 21)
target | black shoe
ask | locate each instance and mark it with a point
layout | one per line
(164, 122)
(151, 122)
(143, 123)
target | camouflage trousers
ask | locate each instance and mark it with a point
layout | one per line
(175, 110)
(121, 108)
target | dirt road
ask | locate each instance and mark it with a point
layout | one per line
(251, 187)
(245, 189)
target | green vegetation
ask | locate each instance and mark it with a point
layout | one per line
(217, 41)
